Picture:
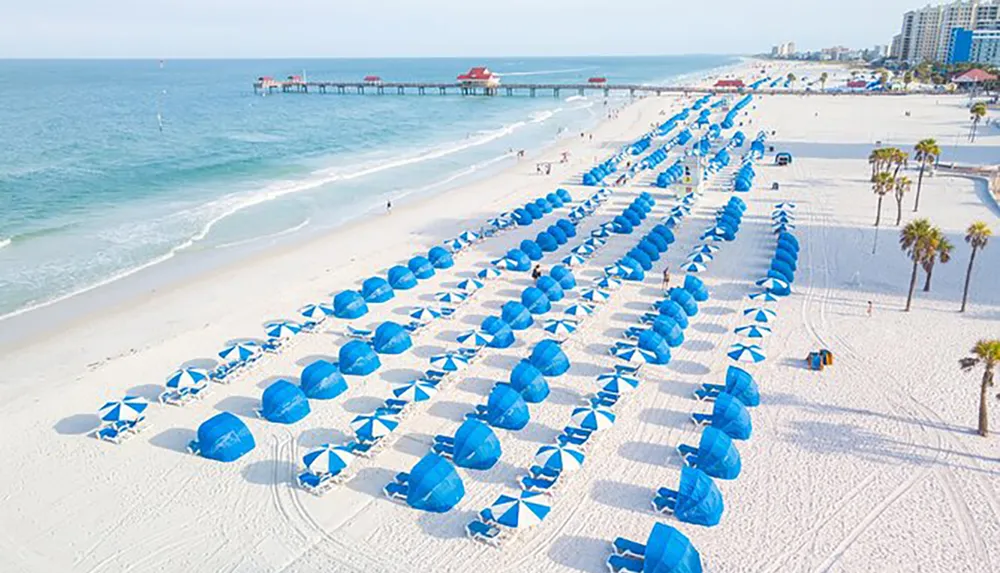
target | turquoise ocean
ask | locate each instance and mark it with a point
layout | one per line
(112, 167)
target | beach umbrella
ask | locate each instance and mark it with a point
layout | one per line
(700, 257)
(765, 296)
(187, 378)
(785, 206)
(616, 383)
(617, 270)
(632, 353)
(469, 286)
(475, 338)
(559, 458)
(609, 283)
(583, 250)
(693, 267)
(573, 260)
(560, 327)
(706, 248)
(601, 232)
(579, 310)
(595, 242)
(454, 245)
(753, 331)
(424, 314)
(520, 512)
(450, 296)
(373, 427)
(414, 390)
(128, 409)
(449, 362)
(595, 295)
(239, 351)
(771, 283)
(782, 227)
(468, 237)
(316, 312)
(672, 220)
(282, 329)
(760, 314)
(489, 273)
(593, 418)
(328, 459)
(746, 353)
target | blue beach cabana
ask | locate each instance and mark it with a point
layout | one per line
(685, 300)
(674, 311)
(357, 358)
(669, 551)
(391, 338)
(729, 415)
(505, 408)
(223, 437)
(529, 381)
(697, 499)
(715, 455)
(376, 289)
(668, 328)
(551, 288)
(434, 485)
(517, 260)
(421, 267)
(503, 335)
(531, 248)
(322, 380)
(549, 358)
(476, 446)
(516, 315)
(563, 276)
(440, 258)
(401, 278)
(349, 304)
(284, 403)
(535, 301)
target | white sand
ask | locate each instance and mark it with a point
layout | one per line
(868, 466)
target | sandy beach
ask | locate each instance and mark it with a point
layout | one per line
(870, 465)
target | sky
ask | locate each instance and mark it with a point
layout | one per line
(422, 28)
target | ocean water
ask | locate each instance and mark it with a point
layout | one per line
(111, 167)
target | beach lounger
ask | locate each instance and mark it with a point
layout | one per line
(649, 318)
(484, 533)
(447, 312)
(633, 333)
(396, 491)
(628, 548)
(183, 397)
(401, 405)
(414, 326)
(389, 411)
(442, 439)
(402, 478)
(577, 432)
(665, 500)
(321, 483)
(529, 483)
(366, 449)
(478, 414)
(435, 375)
(446, 451)
(544, 473)
(688, 453)
(625, 369)
(701, 420)
(118, 432)
(359, 333)
(622, 564)
(603, 399)
(709, 392)
(564, 440)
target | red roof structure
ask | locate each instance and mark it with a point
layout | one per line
(478, 74)
(857, 84)
(974, 76)
(370, 79)
(737, 83)
(597, 80)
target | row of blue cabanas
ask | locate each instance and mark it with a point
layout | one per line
(598, 173)
(670, 175)
(760, 82)
(520, 258)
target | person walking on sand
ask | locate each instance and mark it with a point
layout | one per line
(666, 279)
(536, 273)
(869, 310)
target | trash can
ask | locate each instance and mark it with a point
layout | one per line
(827, 357)
(815, 361)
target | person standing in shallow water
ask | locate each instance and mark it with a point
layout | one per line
(388, 207)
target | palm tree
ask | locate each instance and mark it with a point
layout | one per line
(897, 158)
(822, 80)
(987, 353)
(882, 185)
(978, 112)
(907, 79)
(901, 186)
(790, 77)
(913, 239)
(875, 160)
(938, 250)
(977, 235)
(925, 151)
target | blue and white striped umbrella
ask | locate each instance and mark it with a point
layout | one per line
(760, 314)
(496, 222)
(706, 248)
(372, 427)
(710, 236)
(469, 237)
(454, 245)
(474, 338)
(328, 459)
(128, 409)
(753, 331)
(782, 216)
(765, 296)
(616, 383)
(632, 353)
(689, 198)
(449, 362)
(560, 327)
(239, 352)
(601, 232)
(187, 378)
(700, 257)
(672, 221)
(771, 283)
(595, 242)
(583, 250)
(521, 512)
(746, 353)
(617, 270)
(573, 260)
(469, 286)
(450, 296)
(502, 262)
(316, 312)
(424, 314)
(414, 390)
(693, 267)
(778, 228)
(609, 283)
(595, 295)
(282, 329)
(785, 206)
(681, 210)
(593, 418)
(579, 310)
(589, 204)
(489, 273)
(559, 458)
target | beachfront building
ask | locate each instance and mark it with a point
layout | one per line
(974, 46)
(928, 34)
(784, 50)
(480, 77)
